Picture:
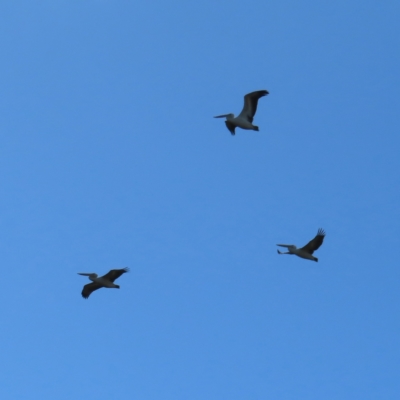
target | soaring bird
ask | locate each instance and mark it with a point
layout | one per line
(245, 119)
(106, 280)
(307, 250)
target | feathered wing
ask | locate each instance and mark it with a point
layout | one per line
(314, 244)
(89, 288)
(114, 274)
(250, 104)
(231, 127)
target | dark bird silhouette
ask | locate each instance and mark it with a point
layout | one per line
(307, 250)
(106, 281)
(245, 119)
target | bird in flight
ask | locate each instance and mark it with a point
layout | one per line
(245, 119)
(307, 250)
(106, 280)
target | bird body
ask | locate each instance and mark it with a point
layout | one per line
(106, 281)
(307, 250)
(240, 122)
(245, 119)
(298, 252)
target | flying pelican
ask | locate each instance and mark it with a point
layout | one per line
(308, 249)
(245, 119)
(106, 280)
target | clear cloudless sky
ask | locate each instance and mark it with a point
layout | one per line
(110, 157)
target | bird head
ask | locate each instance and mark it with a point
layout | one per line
(225, 116)
(91, 276)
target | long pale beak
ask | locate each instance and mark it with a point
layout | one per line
(221, 116)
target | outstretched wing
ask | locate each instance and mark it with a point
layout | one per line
(231, 127)
(314, 244)
(89, 288)
(250, 104)
(114, 274)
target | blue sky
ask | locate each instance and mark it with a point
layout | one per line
(111, 158)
